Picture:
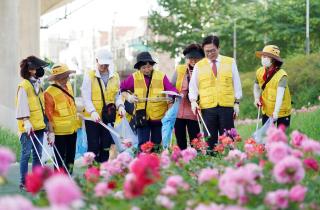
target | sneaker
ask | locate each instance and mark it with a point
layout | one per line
(22, 188)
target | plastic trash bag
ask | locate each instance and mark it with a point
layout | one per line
(259, 134)
(126, 135)
(82, 144)
(48, 148)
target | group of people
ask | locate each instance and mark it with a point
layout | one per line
(209, 84)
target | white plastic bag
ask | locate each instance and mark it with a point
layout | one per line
(48, 148)
(259, 134)
(126, 135)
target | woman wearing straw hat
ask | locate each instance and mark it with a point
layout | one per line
(29, 114)
(270, 89)
(186, 119)
(61, 111)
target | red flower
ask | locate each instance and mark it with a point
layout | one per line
(92, 174)
(112, 185)
(226, 140)
(35, 179)
(146, 169)
(237, 138)
(311, 163)
(250, 141)
(147, 147)
(219, 148)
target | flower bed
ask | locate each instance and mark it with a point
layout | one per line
(282, 174)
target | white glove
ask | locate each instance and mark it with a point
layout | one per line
(51, 138)
(194, 107)
(121, 111)
(236, 109)
(257, 102)
(132, 98)
(275, 116)
(95, 116)
(27, 126)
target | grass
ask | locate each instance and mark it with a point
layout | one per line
(11, 140)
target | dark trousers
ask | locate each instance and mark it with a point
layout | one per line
(217, 120)
(180, 129)
(281, 121)
(66, 145)
(99, 140)
(152, 132)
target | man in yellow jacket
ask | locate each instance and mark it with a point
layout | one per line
(271, 89)
(61, 111)
(30, 113)
(215, 80)
(100, 88)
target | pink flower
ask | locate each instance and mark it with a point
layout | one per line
(124, 158)
(297, 153)
(311, 146)
(102, 189)
(88, 158)
(110, 168)
(168, 190)
(165, 159)
(176, 181)
(164, 201)
(188, 154)
(131, 187)
(207, 174)
(277, 151)
(277, 199)
(275, 135)
(211, 206)
(236, 156)
(297, 193)
(15, 202)
(289, 170)
(297, 138)
(6, 158)
(176, 154)
(92, 174)
(61, 190)
(311, 163)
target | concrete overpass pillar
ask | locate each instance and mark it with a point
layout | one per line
(19, 37)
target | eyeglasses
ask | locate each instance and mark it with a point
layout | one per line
(210, 51)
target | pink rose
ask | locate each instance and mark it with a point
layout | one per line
(311, 163)
(6, 158)
(297, 193)
(88, 158)
(207, 174)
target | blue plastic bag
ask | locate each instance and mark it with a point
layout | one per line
(259, 135)
(82, 144)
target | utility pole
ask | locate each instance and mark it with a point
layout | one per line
(307, 27)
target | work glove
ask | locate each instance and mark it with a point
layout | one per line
(27, 126)
(236, 110)
(95, 117)
(51, 138)
(132, 98)
(121, 111)
(275, 116)
(194, 107)
(257, 102)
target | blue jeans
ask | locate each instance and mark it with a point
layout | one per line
(26, 147)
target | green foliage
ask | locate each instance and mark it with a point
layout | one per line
(181, 22)
(10, 140)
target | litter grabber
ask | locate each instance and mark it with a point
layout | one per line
(202, 121)
(35, 148)
(64, 165)
(259, 109)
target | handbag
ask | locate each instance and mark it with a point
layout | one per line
(140, 117)
(108, 113)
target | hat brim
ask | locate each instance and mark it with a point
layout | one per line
(104, 61)
(261, 53)
(194, 54)
(137, 65)
(61, 76)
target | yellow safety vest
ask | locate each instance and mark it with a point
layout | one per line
(269, 94)
(36, 114)
(155, 110)
(215, 91)
(110, 91)
(181, 72)
(64, 118)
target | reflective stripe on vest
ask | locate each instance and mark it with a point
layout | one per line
(269, 94)
(215, 91)
(36, 115)
(181, 72)
(110, 91)
(64, 116)
(155, 110)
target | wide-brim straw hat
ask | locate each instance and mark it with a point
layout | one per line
(60, 71)
(271, 51)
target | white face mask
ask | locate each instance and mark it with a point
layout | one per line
(266, 62)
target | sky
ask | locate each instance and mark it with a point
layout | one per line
(98, 14)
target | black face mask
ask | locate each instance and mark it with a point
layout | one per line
(39, 72)
(190, 67)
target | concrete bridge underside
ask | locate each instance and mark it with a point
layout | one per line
(19, 37)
